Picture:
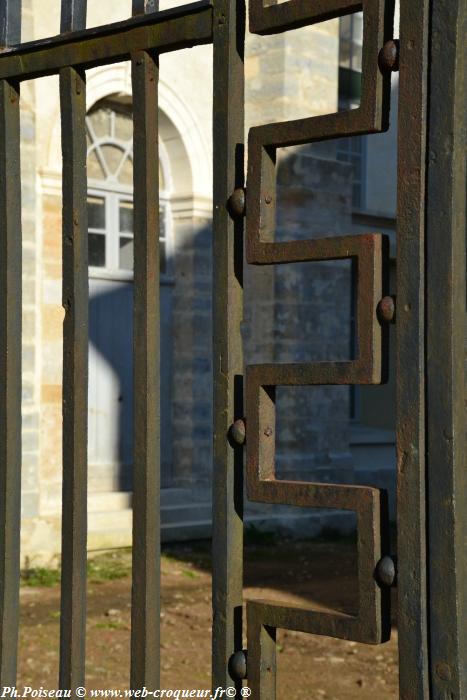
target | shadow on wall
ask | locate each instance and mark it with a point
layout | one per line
(292, 313)
(185, 364)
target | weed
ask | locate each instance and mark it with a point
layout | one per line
(111, 625)
(107, 569)
(40, 576)
(189, 574)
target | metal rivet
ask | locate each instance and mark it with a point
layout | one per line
(268, 431)
(237, 665)
(236, 203)
(387, 309)
(443, 671)
(389, 56)
(238, 432)
(386, 571)
(268, 199)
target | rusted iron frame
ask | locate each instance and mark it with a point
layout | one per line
(145, 608)
(10, 377)
(372, 116)
(10, 353)
(75, 299)
(168, 30)
(370, 254)
(372, 624)
(446, 327)
(228, 106)
(281, 17)
(73, 16)
(10, 22)
(410, 351)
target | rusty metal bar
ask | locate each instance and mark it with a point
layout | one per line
(410, 356)
(279, 17)
(446, 326)
(73, 15)
(10, 22)
(228, 37)
(75, 368)
(10, 356)
(169, 30)
(144, 6)
(145, 608)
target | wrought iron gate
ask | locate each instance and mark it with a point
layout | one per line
(431, 570)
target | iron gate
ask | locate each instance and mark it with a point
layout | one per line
(431, 512)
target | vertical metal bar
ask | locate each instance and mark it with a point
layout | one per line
(10, 22)
(145, 609)
(446, 290)
(411, 511)
(75, 363)
(73, 15)
(141, 7)
(262, 656)
(229, 32)
(10, 356)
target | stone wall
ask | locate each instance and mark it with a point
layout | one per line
(300, 312)
(192, 352)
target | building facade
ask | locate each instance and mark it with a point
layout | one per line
(291, 312)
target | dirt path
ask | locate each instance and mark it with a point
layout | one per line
(309, 668)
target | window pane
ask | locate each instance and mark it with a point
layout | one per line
(126, 253)
(100, 122)
(96, 212)
(96, 243)
(112, 156)
(123, 126)
(126, 217)
(162, 231)
(125, 175)
(95, 171)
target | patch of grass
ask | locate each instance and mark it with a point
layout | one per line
(40, 576)
(189, 574)
(111, 625)
(105, 567)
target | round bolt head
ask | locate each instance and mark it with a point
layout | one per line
(389, 56)
(238, 432)
(387, 310)
(443, 671)
(386, 571)
(236, 203)
(237, 665)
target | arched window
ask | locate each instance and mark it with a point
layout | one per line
(110, 192)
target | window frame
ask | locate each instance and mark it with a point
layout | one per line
(113, 192)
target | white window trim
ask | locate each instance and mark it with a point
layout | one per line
(112, 191)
